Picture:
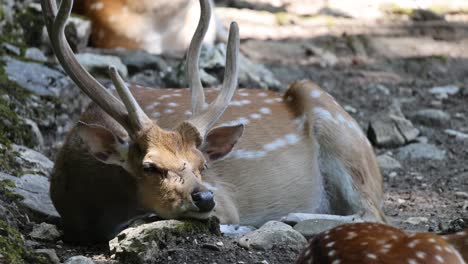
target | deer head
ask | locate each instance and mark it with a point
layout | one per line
(168, 165)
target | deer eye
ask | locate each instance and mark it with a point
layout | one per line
(151, 168)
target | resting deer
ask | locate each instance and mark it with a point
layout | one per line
(300, 152)
(379, 243)
(155, 26)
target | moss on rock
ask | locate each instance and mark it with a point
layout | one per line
(13, 249)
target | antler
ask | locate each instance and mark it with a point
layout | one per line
(204, 118)
(128, 114)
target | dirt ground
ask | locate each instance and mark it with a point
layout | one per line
(407, 59)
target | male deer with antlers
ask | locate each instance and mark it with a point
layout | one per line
(301, 152)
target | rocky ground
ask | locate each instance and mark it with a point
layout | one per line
(403, 75)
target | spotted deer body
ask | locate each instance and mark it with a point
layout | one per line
(154, 26)
(247, 157)
(379, 243)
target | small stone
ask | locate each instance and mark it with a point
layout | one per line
(45, 232)
(431, 117)
(442, 92)
(350, 109)
(98, 65)
(377, 88)
(461, 195)
(456, 134)
(79, 260)
(420, 151)
(401, 201)
(12, 49)
(393, 174)
(50, 254)
(35, 54)
(210, 246)
(235, 230)
(220, 244)
(388, 163)
(273, 233)
(416, 220)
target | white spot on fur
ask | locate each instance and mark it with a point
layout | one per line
(240, 120)
(188, 112)
(278, 143)
(255, 116)
(240, 102)
(172, 104)
(278, 99)
(269, 101)
(351, 235)
(331, 253)
(97, 6)
(322, 113)
(243, 94)
(262, 94)
(413, 243)
(412, 261)
(169, 111)
(330, 244)
(292, 139)
(336, 261)
(439, 258)
(265, 110)
(164, 96)
(156, 114)
(420, 254)
(431, 240)
(152, 106)
(371, 256)
(315, 94)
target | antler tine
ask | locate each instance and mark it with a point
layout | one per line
(55, 22)
(193, 54)
(204, 121)
(138, 119)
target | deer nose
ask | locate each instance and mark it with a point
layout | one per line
(203, 200)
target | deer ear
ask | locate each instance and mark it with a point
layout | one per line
(220, 141)
(103, 144)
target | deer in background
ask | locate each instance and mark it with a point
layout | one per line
(299, 151)
(379, 243)
(155, 26)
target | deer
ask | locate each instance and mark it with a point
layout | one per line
(380, 243)
(247, 157)
(153, 26)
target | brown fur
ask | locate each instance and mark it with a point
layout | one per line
(288, 176)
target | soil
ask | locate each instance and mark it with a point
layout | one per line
(408, 66)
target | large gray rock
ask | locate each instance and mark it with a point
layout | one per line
(142, 243)
(98, 65)
(420, 151)
(35, 54)
(390, 128)
(386, 162)
(137, 61)
(271, 234)
(45, 232)
(35, 191)
(79, 260)
(431, 117)
(33, 161)
(35, 77)
(456, 134)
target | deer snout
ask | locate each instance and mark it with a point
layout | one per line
(204, 200)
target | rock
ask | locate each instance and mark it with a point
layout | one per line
(78, 31)
(416, 220)
(49, 254)
(442, 92)
(35, 191)
(142, 243)
(386, 162)
(377, 88)
(212, 62)
(35, 77)
(33, 161)
(235, 230)
(45, 232)
(12, 49)
(463, 195)
(137, 61)
(7, 216)
(390, 128)
(38, 139)
(425, 15)
(149, 78)
(79, 260)
(420, 151)
(311, 227)
(458, 135)
(431, 117)
(271, 234)
(35, 54)
(98, 65)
